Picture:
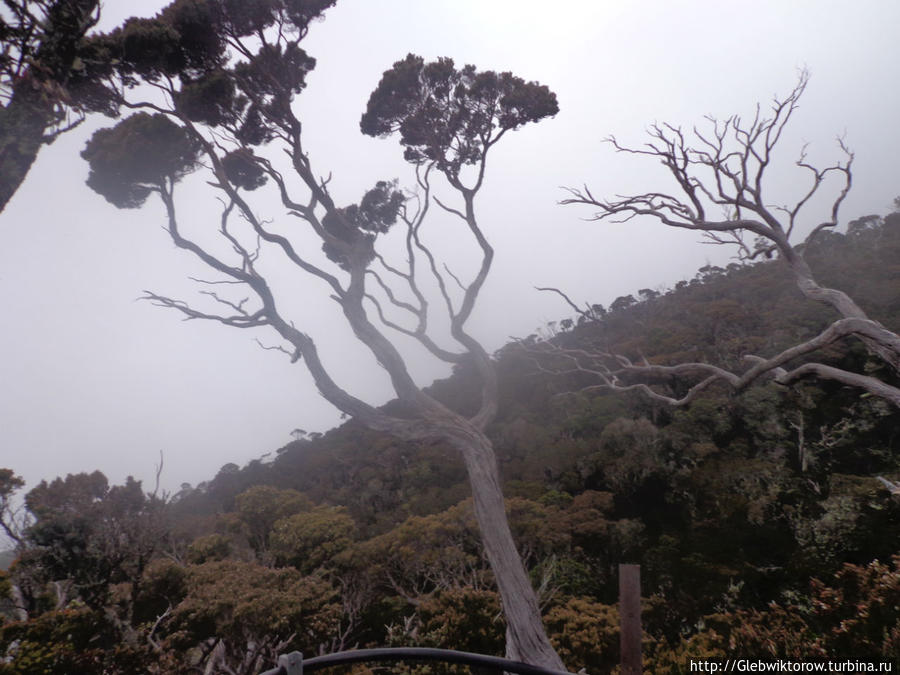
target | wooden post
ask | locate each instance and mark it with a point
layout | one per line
(630, 618)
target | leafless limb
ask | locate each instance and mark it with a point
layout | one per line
(449, 209)
(150, 639)
(216, 282)
(455, 278)
(159, 470)
(407, 277)
(278, 348)
(387, 322)
(432, 263)
(587, 314)
(724, 166)
(60, 130)
(617, 373)
(240, 320)
(892, 487)
(735, 238)
(389, 292)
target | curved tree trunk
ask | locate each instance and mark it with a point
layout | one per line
(21, 609)
(842, 303)
(526, 639)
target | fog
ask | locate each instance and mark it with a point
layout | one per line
(91, 378)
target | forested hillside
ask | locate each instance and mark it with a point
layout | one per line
(758, 519)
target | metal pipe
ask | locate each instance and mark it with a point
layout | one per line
(407, 654)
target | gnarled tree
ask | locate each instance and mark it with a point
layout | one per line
(227, 73)
(726, 168)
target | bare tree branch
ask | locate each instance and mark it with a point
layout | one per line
(389, 292)
(726, 167)
(587, 314)
(349, 236)
(617, 373)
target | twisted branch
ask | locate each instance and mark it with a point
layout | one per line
(617, 373)
(726, 168)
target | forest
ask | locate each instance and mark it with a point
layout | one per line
(757, 519)
(735, 435)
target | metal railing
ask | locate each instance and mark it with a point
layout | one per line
(294, 664)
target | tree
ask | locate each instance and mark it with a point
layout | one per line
(243, 615)
(725, 167)
(428, 553)
(51, 76)
(227, 73)
(309, 540)
(87, 535)
(261, 506)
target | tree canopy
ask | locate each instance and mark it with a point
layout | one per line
(451, 117)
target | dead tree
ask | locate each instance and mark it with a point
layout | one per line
(723, 167)
(230, 118)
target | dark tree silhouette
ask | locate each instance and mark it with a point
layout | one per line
(227, 74)
(51, 76)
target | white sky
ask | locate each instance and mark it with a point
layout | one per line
(91, 379)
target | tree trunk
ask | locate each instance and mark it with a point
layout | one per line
(526, 639)
(21, 609)
(841, 302)
(22, 126)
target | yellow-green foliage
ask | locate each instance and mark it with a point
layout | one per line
(67, 641)
(585, 634)
(425, 553)
(676, 659)
(261, 506)
(163, 585)
(209, 548)
(312, 539)
(467, 618)
(239, 601)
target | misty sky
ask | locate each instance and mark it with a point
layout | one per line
(92, 379)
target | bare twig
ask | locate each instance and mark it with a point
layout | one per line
(586, 314)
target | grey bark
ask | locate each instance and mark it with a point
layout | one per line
(618, 373)
(842, 304)
(526, 639)
(725, 169)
